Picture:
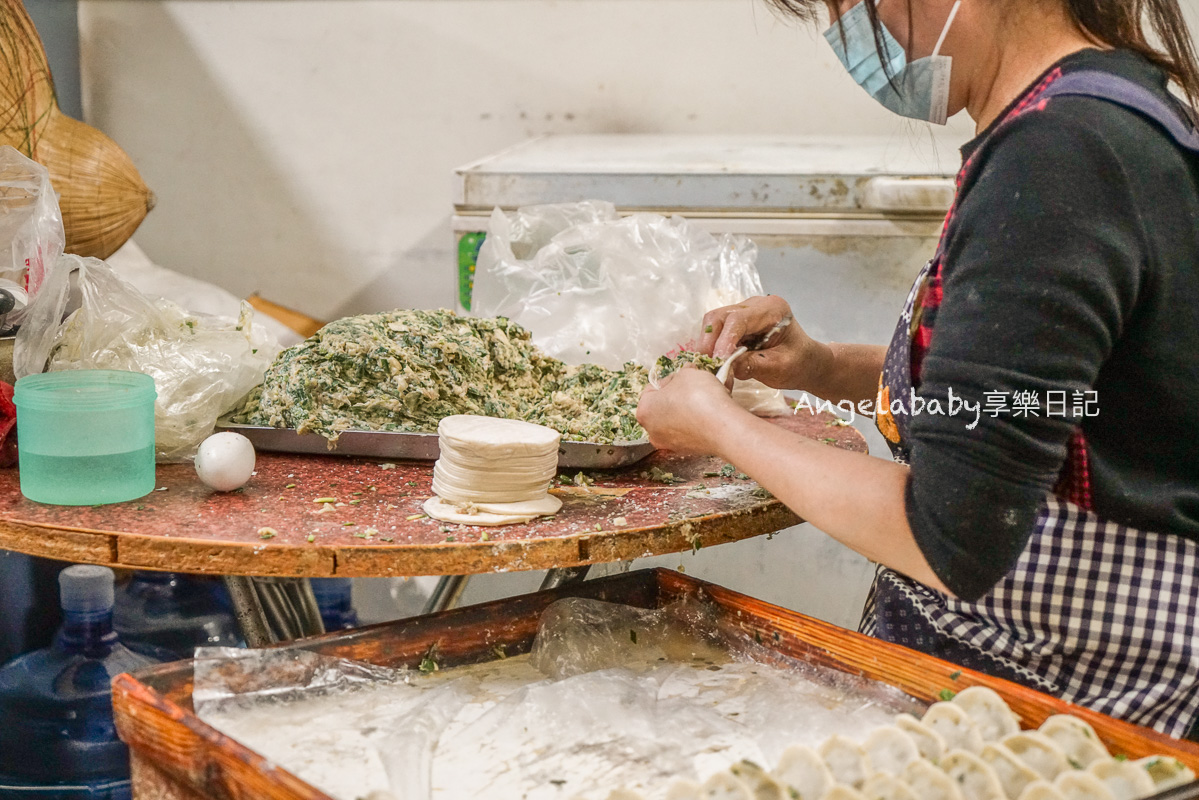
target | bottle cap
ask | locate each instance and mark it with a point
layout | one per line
(86, 588)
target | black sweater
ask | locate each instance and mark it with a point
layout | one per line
(1071, 264)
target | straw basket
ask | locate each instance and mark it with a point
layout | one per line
(101, 194)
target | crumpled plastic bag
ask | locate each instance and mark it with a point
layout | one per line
(595, 287)
(203, 366)
(30, 226)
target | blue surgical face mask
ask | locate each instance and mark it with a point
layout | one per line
(919, 89)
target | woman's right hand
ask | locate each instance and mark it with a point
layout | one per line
(790, 360)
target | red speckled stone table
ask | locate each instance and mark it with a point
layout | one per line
(375, 525)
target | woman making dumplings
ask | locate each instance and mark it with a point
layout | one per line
(1046, 531)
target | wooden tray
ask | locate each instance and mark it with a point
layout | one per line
(176, 756)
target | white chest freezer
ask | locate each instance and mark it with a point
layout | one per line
(843, 225)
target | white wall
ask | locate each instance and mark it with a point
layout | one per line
(303, 148)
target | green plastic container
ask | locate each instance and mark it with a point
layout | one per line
(85, 437)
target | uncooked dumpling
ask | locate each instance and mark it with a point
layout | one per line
(975, 779)
(930, 783)
(928, 742)
(1014, 775)
(887, 787)
(1039, 752)
(804, 771)
(843, 792)
(1166, 772)
(1077, 739)
(723, 786)
(845, 760)
(1080, 785)
(685, 790)
(1041, 790)
(990, 713)
(954, 726)
(889, 750)
(760, 784)
(1124, 779)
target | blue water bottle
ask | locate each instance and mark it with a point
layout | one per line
(175, 612)
(57, 738)
(336, 605)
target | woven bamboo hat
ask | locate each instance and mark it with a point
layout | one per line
(101, 194)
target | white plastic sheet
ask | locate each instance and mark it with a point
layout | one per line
(31, 232)
(594, 287)
(202, 366)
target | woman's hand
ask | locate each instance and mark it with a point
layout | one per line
(687, 412)
(790, 360)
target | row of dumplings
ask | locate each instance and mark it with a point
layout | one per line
(967, 748)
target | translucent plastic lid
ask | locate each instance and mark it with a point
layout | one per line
(97, 389)
(85, 588)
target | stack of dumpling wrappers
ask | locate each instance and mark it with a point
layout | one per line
(493, 471)
(967, 748)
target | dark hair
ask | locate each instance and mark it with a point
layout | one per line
(1116, 23)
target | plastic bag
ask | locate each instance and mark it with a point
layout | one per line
(202, 365)
(30, 226)
(594, 287)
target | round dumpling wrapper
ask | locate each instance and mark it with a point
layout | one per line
(843, 792)
(501, 437)
(442, 511)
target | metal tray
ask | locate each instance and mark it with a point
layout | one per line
(423, 446)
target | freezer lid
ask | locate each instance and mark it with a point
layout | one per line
(709, 174)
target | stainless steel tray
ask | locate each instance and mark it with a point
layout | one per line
(423, 446)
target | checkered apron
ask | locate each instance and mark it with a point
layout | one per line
(1097, 613)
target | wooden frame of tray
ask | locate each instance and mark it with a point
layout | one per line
(177, 757)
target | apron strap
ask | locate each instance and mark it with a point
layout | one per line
(1178, 120)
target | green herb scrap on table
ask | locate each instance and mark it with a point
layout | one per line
(406, 370)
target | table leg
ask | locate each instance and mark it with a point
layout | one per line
(302, 597)
(447, 594)
(251, 618)
(564, 576)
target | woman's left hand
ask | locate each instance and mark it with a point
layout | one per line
(687, 412)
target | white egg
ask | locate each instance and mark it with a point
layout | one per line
(225, 461)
